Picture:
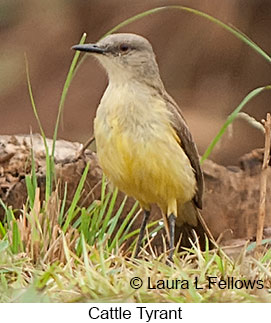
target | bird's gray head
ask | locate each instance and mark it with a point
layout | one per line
(125, 56)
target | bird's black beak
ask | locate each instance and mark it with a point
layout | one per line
(89, 48)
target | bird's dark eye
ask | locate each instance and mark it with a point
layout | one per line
(124, 47)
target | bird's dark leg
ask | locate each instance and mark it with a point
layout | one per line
(142, 231)
(171, 222)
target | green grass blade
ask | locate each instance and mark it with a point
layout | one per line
(233, 31)
(30, 190)
(118, 237)
(16, 245)
(85, 221)
(108, 214)
(34, 181)
(133, 19)
(98, 214)
(65, 91)
(96, 219)
(90, 210)
(231, 118)
(2, 231)
(228, 28)
(102, 210)
(9, 215)
(48, 185)
(103, 187)
(77, 195)
(4, 206)
(32, 99)
(115, 219)
(126, 233)
(63, 204)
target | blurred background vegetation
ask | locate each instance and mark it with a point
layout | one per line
(204, 68)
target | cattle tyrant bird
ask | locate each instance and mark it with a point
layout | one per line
(143, 143)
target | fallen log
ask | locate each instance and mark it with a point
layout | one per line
(231, 199)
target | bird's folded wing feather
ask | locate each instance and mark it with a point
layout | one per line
(188, 145)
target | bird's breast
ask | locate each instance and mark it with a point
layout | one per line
(138, 149)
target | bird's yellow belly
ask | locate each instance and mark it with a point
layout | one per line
(152, 169)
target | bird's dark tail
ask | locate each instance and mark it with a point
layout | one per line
(190, 226)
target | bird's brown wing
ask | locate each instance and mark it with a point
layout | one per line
(188, 145)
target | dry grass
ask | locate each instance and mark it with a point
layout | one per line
(53, 266)
(96, 279)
